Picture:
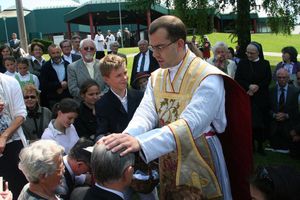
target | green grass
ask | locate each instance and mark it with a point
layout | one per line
(273, 158)
(270, 42)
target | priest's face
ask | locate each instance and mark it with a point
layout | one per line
(165, 51)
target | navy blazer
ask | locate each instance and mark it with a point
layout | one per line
(111, 115)
(153, 66)
(93, 193)
(291, 104)
(49, 83)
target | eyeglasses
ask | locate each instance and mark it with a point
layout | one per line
(160, 47)
(89, 48)
(31, 97)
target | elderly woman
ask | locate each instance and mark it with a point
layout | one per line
(5, 51)
(220, 59)
(36, 59)
(12, 139)
(254, 75)
(42, 164)
(290, 63)
(38, 117)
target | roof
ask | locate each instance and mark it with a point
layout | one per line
(44, 4)
(106, 12)
(12, 13)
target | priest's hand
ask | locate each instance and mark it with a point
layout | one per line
(121, 142)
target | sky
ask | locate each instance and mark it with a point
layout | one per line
(7, 3)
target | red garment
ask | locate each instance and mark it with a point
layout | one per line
(237, 139)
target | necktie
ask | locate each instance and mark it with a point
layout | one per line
(281, 100)
(143, 62)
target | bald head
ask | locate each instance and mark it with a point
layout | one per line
(282, 76)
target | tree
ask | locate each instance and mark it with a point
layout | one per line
(198, 14)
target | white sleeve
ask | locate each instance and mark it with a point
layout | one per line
(205, 107)
(17, 100)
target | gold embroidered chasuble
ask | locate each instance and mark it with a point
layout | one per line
(191, 164)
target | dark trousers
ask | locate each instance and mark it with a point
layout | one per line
(100, 54)
(9, 167)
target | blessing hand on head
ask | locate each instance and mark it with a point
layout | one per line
(118, 141)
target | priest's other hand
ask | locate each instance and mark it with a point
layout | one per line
(121, 142)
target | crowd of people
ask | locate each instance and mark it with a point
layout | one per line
(75, 127)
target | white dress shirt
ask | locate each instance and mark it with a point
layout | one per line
(59, 69)
(147, 62)
(67, 139)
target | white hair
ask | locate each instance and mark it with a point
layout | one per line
(143, 41)
(38, 159)
(219, 45)
(86, 40)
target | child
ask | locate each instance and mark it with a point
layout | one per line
(86, 123)
(23, 76)
(10, 65)
(61, 128)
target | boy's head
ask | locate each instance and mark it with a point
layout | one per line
(114, 72)
(22, 64)
(10, 64)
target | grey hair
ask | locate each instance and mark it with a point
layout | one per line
(86, 40)
(143, 41)
(219, 45)
(108, 166)
(38, 159)
(280, 70)
(114, 43)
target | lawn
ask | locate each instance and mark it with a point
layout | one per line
(270, 42)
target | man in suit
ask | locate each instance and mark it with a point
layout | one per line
(76, 44)
(54, 83)
(115, 108)
(284, 111)
(14, 44)
(77, 165)
(66, 47)
(143, 62)
(85, 68)
(114, 50)
(112, 173)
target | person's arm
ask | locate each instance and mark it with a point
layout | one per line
(72, 82)
(18, 113)
(267, 77)
(241, 75)
(205, 106)
(36, 81)
(207, 101)
(6, 135)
